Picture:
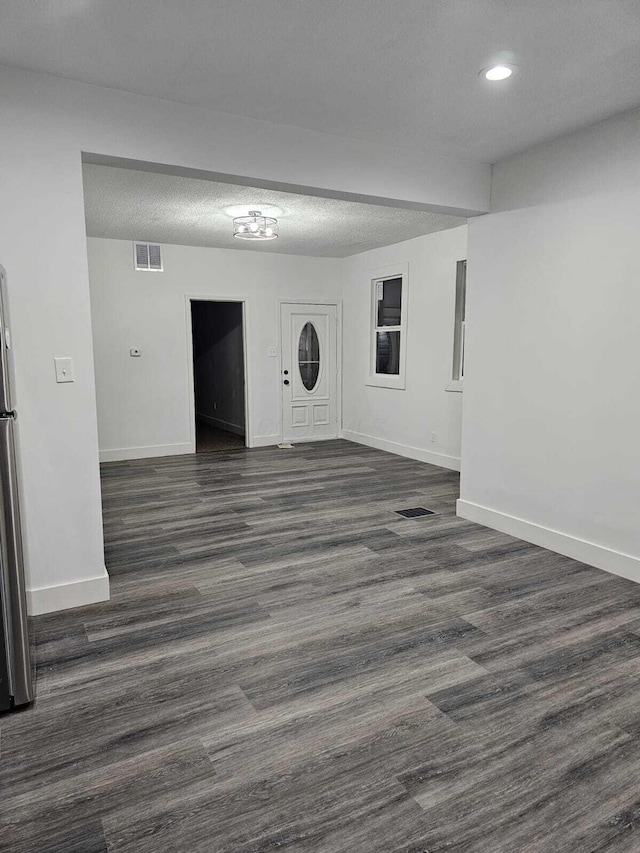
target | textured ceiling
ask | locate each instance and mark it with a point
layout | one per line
(130, 205)
(401, 72)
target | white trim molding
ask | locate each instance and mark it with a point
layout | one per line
(48, 599)
(608, 559)
(377, 276)
(266, 440)
(246, 343)
(418, 453)
(119, 454)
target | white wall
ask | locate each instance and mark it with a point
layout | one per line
(551, 408)
(402, 420)
(218, 364)
(145, 405)
(46, 124)
(42, 240)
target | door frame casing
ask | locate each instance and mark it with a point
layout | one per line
(248, 422)
(337, 303)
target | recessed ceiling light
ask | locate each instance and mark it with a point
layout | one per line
(495, 73)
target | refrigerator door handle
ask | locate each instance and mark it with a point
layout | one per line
(6, 362)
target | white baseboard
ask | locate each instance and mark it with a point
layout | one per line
(119, 454)
(48, 599)
(307, 439)
(440, 459)
(265, 440)
(615, 562)
(218, 424)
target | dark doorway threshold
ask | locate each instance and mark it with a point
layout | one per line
(210, 439)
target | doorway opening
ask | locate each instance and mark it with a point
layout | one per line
(217, 330)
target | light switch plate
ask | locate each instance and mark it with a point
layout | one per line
(64, 369)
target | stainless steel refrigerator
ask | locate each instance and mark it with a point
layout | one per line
(16, 678)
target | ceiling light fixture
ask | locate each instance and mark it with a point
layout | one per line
(255, 226)
(495, 73)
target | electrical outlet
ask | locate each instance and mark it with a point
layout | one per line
(434, 437)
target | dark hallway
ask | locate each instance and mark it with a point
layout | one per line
(218, 372)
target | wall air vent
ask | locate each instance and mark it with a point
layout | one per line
(147, 256)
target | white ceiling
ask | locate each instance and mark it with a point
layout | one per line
(402, 72)
(131, 205)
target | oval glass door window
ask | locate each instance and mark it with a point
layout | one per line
(309, 356)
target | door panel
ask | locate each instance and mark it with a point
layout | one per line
(309, 372)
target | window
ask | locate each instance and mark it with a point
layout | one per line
(388, 327)
(309, 356)
(459, 327)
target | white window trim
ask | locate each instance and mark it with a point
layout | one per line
(385, 380)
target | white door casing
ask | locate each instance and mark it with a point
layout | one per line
(309, 372)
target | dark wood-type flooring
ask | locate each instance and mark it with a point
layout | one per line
(210, 439)
(288, 665)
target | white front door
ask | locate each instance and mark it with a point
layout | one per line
(309, 372)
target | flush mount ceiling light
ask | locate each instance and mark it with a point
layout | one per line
(500, 71)
(255, 226)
